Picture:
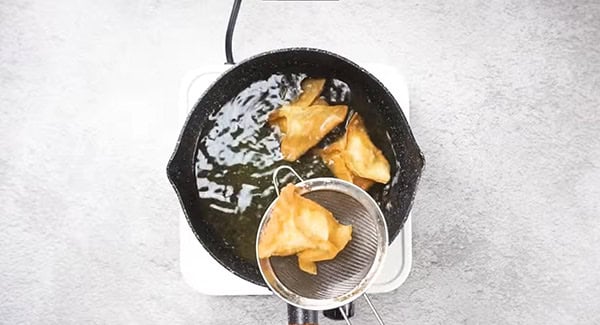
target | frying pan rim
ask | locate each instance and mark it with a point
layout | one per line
(176, 160)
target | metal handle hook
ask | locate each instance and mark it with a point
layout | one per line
(276, 172)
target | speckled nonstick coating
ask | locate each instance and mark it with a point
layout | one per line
(369, 97)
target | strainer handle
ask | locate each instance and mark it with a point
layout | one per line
(276, 174)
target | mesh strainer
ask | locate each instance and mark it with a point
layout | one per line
(348, 276)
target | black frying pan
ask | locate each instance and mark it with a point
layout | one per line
(370, 98)
(374, 102)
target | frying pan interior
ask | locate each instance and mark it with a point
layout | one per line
(382, 114)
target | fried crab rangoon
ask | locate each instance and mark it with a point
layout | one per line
(311, 89)
(306, 120)
(355, 158)
(303, 227)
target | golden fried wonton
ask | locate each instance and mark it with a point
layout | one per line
(332, 157)
(304, 127)
(311, 89)
(306, 120)
(301, 226)
(355, 158)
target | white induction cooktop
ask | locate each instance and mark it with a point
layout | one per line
(207, 276)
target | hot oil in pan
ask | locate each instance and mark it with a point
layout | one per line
(238, 152)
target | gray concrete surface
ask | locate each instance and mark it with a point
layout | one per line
(505, 105)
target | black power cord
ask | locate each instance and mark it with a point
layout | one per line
(230, 27)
